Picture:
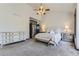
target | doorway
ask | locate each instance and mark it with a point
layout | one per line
(33, 26)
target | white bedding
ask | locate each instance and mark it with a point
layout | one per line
(56, 37)
(45, 37)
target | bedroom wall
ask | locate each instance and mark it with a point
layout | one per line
(60, 14)
(77, 27)
(58, 20)
(15, 17)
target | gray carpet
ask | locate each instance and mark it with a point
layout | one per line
(33, 48)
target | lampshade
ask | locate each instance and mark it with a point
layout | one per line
(67, 29)
(43, 28)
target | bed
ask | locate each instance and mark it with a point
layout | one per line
(50, 38)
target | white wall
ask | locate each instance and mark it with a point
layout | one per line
(55, 20)
(15, 17)
(77, 28)
(59, 15)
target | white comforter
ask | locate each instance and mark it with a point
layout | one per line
(56, 37)
(45, 37)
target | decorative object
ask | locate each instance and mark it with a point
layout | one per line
(41, 10)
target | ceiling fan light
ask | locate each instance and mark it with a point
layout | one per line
(41, 10)
(41, 7)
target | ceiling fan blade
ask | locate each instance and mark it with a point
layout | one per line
(47, 9)
(34, 9)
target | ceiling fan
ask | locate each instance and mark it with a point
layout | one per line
(41, 10)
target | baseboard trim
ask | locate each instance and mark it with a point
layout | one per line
(14, 42)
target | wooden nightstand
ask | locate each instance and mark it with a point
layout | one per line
(67, 37)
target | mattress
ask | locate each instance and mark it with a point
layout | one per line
(45, 37)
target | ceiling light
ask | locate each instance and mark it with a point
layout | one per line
(41, 10)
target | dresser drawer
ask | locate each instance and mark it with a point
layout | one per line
(67, 37)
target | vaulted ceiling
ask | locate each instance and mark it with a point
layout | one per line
(56, 7)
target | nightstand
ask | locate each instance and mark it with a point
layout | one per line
(67, 37)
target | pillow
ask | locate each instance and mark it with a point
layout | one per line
(51, 32)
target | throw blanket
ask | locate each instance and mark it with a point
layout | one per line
(56, 36)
